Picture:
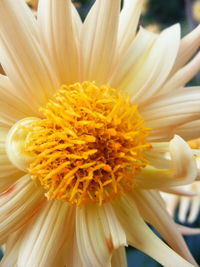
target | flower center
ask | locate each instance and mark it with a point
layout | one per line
(89, 145)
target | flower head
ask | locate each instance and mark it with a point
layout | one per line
(87, 114)
(196, 10)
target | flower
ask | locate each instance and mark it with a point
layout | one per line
(196, 10)
(87, 114)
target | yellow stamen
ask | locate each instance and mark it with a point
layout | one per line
(89, 146)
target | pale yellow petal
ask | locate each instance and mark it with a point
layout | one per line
(138, 50)
(128, 24)
(194, 209)
(141, 237)
(12, 249)
(183, 209)
(152, 209)
(98, 234)
(20, 53)
(168, 112)
(12, 108)
(8, 173)
(98, 40)
(18, 205)
(44, 237)
(149, 73)
(188, 231)
(183, 168)
(119, 258)
(189, 131)
(60, 39)
(182, 76)
(188, 46)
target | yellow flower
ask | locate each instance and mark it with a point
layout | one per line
(153, 28)
(87, 113)
(196, 10)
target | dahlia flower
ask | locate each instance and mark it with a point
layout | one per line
(88, 111)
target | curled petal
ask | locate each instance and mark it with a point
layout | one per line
(183, 168)
(15, 142)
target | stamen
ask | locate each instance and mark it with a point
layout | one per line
(89, 146)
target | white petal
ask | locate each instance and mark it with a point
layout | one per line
(119, 258)
(188, 46)
(21, 57)
(12, 249)
(128, 24)
(187, 230)
(168, 112)
(99, 36)
(125, 69)
(58, 34)
(8, 173)
(194, 209)
(182, 76)
(189, 131)
(183, 209)
(12, 108)
(98, 234)
(183, 168)
(141, 237)
(149, 73)
(154, 212)
(44, 237)
(17, 205)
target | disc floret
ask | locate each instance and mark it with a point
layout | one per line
(89, 145)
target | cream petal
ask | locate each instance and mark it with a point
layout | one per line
(17, 205)
(180, 191)
(12, 249)
(98, 37)
(183, 209)
(152, 209)
(149, 73)
(168, 112)
(12, 108)
(189, 131)
(22, 57)
(119, 258)
(187, 230)
(188, 46)
(138, 51)
(58, 35)
(183, 168)
(128, 24)
(194, 209)
(45, 235)
(8, 173)
(182, 76)
(98, 234)
(171, 202)
(141, 237)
